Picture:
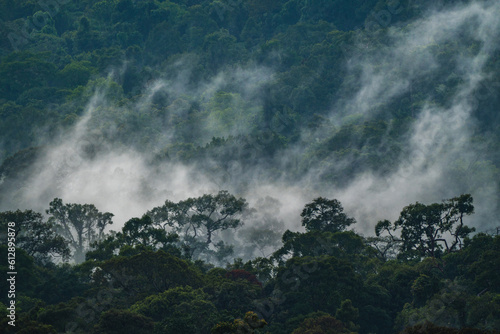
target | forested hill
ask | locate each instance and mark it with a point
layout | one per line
(55, 52)
(417, 275)
(265, 74)
(340, 98)
(250, 166)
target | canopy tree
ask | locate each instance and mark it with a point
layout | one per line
(198, 219)
(149, 273)
(325, 215)
(343, 245)
(123, 321)
(142, 231)
(322, 324)
(179, 310)
(80, 224)
(36, 237)
(137, 234)
(425, 230)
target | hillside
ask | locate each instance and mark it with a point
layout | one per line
(217, 143)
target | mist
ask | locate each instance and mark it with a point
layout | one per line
(440, 139)
(86, 164)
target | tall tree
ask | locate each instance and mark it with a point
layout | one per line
(325, 215)
(428, 229)
(142, 231)
(36, 237)
(198, 219)
(79, 224)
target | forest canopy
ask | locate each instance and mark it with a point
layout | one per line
(250, 166)
(154, 276)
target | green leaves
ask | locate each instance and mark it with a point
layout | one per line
(179, 310)
(123, 322)
(322, 324)
(76, 73)
(151, 272)
(142, 231)
(35, 236)
(249, 324)
(80, 224)
(325, 215)
(427, 230)
(21, 71)
(197, 220)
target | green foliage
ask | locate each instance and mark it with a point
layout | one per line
(76, 73)
(325, 324)
(344, 245)
(163, 305)
(68, 280)
(122, 321)
(141, 231)
(21, 71)
(181, 309)
(424, 287)
(325, 215)
(252, 78)
(28, 275)
(230, 294)
(35, 236)
(131, 286)
(33, 327)
(425, 228)
(348, 314)
(484, 269)
(318, 283)
(433, 329)
(50, 50)
(151, 272)
(80, 224)
(59, 315)
(206, 215)
(248, 325)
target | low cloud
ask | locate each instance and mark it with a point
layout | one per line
(86, 165)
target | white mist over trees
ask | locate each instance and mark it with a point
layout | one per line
(437, 156)
(226, 166)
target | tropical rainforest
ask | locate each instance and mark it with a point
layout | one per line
(250, 166)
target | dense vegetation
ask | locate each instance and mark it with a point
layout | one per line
(280, 65)
(230, 88)
(150, 278)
